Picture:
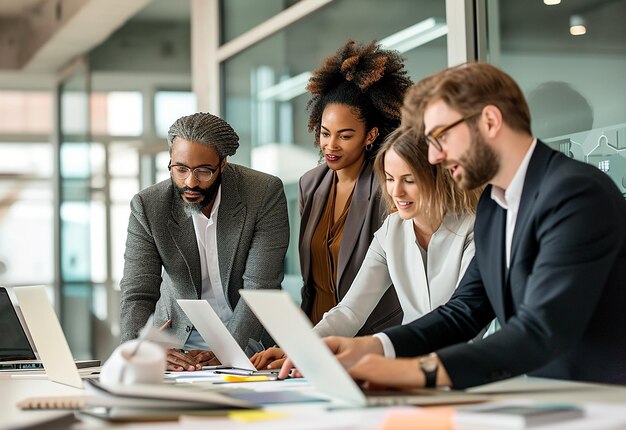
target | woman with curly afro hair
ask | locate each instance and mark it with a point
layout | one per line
(357, 95)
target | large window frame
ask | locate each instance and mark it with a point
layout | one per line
(208, 55)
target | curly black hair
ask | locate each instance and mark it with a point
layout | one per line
(367, 78)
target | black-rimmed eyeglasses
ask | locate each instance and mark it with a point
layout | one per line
(181, 173)
(432, 138)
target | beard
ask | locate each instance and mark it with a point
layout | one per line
(208, 195)
(480, 163)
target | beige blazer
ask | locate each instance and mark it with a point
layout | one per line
(365, 215)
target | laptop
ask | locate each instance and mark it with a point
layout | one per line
(48, 337)
(217, 336)
(16, 352)
(291, 328)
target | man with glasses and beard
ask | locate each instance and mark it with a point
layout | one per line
(550, 261)
(211, 229)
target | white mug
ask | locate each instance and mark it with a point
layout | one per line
(145, 366)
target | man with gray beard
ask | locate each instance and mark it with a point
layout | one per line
(211, 229)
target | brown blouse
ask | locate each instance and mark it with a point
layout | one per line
(325, 245)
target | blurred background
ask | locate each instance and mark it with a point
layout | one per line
(88, 89)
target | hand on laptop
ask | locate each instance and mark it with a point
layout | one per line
(346, 349)
(179, 361)
(375, 372)
(271, 358)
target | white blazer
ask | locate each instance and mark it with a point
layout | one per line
(394, 258)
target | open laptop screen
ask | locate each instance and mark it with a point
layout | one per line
(14, 344)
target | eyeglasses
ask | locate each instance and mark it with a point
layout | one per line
(432, 138)
(181, 173)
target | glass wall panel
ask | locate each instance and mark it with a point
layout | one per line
(123, 185)
(574, 82)
(77, 161)
(117, 113)
(26, 220)
(162, 160)
(237, 17)
(264, 96)
(25, 112)
(171, 105)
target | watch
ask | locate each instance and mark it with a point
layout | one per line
(429, 365)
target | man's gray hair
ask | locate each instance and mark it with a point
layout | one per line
(206, 129)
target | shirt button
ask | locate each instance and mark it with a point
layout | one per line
(188, 328)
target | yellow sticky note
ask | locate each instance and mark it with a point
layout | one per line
(256, 415)
(236, 378)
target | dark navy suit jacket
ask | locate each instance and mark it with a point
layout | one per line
(561, 303)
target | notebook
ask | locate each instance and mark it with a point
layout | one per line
(47, 335)
(217, 336)
(16, 352)
(290, 327)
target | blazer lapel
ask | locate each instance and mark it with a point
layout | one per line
(494, 266)
(534, 176)
(183, 234)
(317, 207)
(355, 219)
(231, 217)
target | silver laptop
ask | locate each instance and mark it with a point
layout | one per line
(290, 327)
(216, 335)
(16, 351)
(47, 335)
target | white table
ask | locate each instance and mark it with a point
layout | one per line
(14, 389)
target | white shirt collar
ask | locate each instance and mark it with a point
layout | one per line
(509, 199)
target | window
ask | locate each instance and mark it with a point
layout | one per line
(26, 214)
(264, 86)
(171, 105)
(25, 112)
(574, 84)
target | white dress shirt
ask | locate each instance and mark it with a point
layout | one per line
(510, 198)
(212, 290)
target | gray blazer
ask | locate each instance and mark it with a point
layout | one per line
(366, 214)
(162, 262)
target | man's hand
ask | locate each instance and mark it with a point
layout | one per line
(204, 358)
(179, 361)
(376, 371)
(346, 349)
(271, 358)
(349, 350)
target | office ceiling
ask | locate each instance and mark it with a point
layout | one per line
(39, 37)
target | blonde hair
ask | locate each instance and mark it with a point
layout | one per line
(439, 194)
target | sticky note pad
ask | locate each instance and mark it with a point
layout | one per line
(237, 378)
(256, 415)
(435, 418)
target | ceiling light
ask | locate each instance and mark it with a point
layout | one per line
(287, 89)
(551, 2)
(577, 25)
(415, 35)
